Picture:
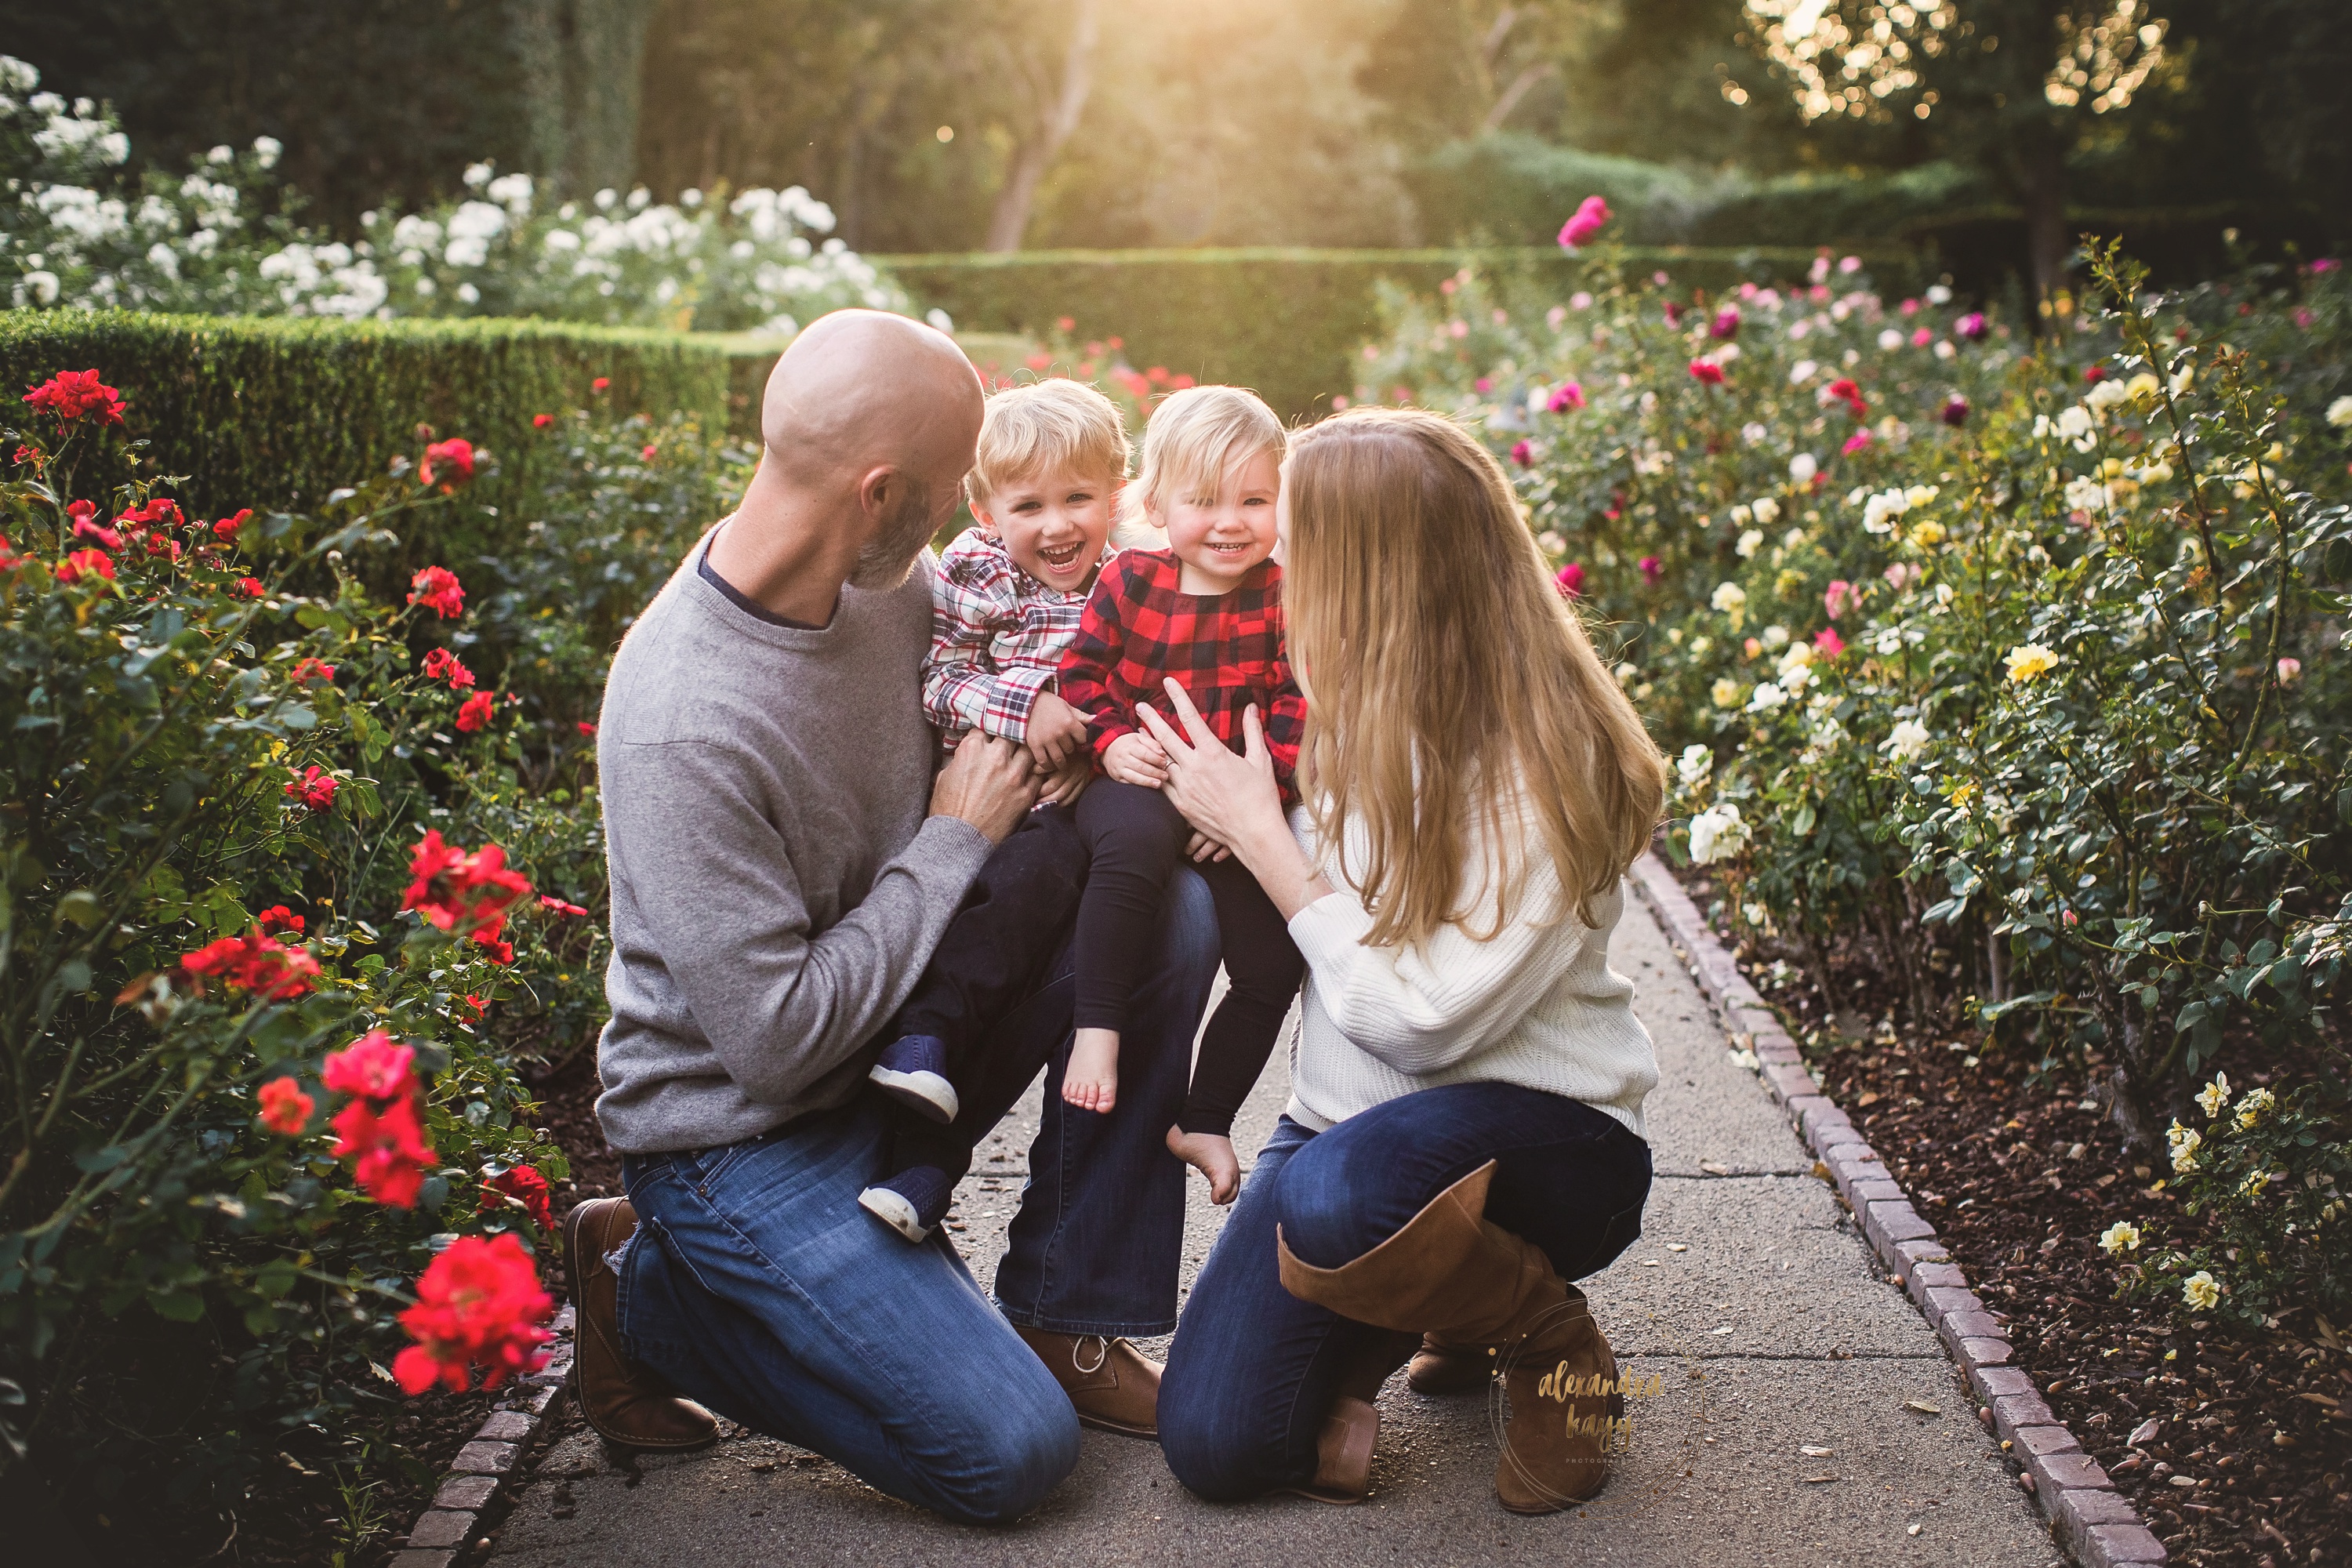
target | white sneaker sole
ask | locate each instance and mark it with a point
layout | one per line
(893, 1211)
(927, 1093)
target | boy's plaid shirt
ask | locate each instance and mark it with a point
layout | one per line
(997, 639)
(1226, 653)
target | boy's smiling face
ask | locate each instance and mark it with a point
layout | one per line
(1053, 525)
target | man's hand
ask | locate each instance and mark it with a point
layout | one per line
(1136, 758)
(988, 783)
(1069, 781)
(1057, 732)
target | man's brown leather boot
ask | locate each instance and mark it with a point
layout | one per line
(1438, 1367)
(1114, 1386)
(1452, 1273)
(624, 1404)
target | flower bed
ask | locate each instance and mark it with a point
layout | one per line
(2005, 677)
(298, 882)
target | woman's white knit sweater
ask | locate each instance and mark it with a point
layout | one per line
(1536, 1004)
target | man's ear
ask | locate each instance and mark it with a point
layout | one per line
(879, 490)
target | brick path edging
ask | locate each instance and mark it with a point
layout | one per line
(2095, 1523)
(486, 1468)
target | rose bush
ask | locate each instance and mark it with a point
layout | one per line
(226, 238)
(2010, 665)
(283, 931)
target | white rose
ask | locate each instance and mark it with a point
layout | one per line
(1906, 741)
(1716, 833)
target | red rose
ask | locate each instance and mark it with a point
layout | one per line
(254, 962)
(476, 1006)
(600, 383)
(465, 893)
(1652, 569)
(226, 528)
(284, 1108)
(447, 463)
(478, 1303)
(1844, 390)
(542, 421)
(250, 587)
(372, 1067)
(315, 789)
(559, 906)
(78, 395)
(442, 664)
(1707, 372)
(1571, 579)
(438, 589)
(84, 563)
(279, 918)
(586, 728)
(525, 1186)
(161, 511)
(309, 670)
(1522, 453)
(157, 544)
(391, 1148)
(473, 713)
(28, 455)
(649, 453)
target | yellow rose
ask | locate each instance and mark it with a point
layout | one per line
(2028, 660)
(1725, 693)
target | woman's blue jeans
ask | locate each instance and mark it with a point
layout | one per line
(1254, 1368)
(757, 1286)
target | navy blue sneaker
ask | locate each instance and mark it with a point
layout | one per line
(912, 1201)
(912, 1070)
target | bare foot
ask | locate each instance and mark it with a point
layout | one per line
(1091, 1080)
(1212, 1155)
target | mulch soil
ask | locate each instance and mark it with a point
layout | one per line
(2233, 1450)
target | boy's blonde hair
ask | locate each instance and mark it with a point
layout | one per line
(1194, 437)
(1047, 427)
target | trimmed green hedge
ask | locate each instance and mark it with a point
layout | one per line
(1287, 322)
(274, 413)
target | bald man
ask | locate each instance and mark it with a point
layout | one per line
(785, 852)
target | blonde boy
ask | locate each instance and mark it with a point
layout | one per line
(1010, 592)
(1005, 606)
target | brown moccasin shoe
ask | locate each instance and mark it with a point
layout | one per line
(1114, 1386)
(625, 1403)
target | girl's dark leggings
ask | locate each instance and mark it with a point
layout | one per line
(1136, 839)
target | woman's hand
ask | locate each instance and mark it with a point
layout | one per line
(1223, 796)
(1234, 801)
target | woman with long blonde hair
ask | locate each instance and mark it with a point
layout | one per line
(1464, 1135)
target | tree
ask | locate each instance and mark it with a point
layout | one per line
(2011, 86)
(583, 80)
(1057, 105)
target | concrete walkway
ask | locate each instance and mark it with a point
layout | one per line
(1806, 1414)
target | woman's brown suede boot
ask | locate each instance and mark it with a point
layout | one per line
(1452, 1273)
(1438, 1367)
(1343, 1448)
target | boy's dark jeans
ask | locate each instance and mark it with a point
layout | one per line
(1016, 917)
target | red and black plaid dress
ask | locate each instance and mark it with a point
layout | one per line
(1226, 652)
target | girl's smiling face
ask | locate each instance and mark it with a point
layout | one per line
(1220, 539)
(1053, 526)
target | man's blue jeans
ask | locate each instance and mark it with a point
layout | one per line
(757, 1286)
(1254, 1368)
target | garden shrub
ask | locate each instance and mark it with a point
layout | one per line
(261, 833)
(2014, 664)
(1287, 322)
(280, 414)
(226, 238)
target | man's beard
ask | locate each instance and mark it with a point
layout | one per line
(890, 554)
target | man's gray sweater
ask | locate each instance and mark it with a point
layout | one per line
(777, 886)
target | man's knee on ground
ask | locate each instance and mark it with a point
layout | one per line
(1023, 1443)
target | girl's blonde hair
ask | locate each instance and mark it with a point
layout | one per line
(1454, 695)
(1193, 438)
